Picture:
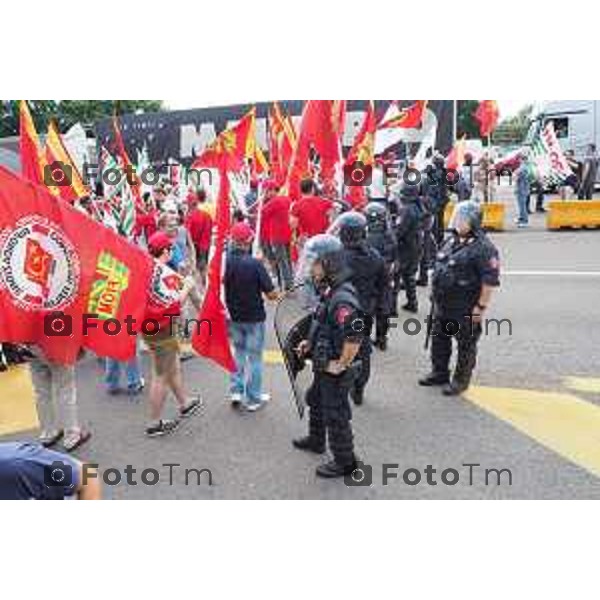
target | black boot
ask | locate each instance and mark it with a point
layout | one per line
(308, 444)
(357, 395)
(381, 344)
(434, 379)
(410, 307)
(455, 388)
(422, 282)
(333, 469)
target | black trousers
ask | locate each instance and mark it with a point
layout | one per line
(427, 255)
(330, 416)
(438, 226)
(408, 273)
(364, 373)
(467, 336)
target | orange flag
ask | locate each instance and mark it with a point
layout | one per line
(409, 118)
(57, 152)
(135, 183)
(229, 150)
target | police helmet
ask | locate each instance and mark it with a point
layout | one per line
(467, 215)
(325, 249)
(350, 227)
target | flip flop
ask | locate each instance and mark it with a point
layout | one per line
(83, 437)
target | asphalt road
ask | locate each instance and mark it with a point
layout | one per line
(524, 413)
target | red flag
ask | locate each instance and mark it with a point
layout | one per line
(487, 114)
(409, 118)
(362, 151)
(229, 150)
(282, 143)
(29, 146)
(57, 259)
(321, 128)
(213, 342)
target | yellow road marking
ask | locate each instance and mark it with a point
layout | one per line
(561, 422)
(18, 410)
(583, 384)
(273, 357)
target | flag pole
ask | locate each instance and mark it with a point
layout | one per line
(454, 121)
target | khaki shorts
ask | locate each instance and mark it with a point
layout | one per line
(164, 349)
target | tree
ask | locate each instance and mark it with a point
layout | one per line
(466, 122)
(514, 129)
(69, 112)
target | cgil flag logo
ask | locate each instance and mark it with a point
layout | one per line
(106, 292)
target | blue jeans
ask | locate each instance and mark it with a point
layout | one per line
(523, 204)
(113, 373)
(248, 342)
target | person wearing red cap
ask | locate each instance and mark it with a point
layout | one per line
(199, 224)
(276, 229)
(169, 291)
(246, 281)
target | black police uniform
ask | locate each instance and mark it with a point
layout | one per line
(428, 243)
(408, 234)
(461, 269)
(327, 398)
(435, 188)
(384, 241)
(368, 276)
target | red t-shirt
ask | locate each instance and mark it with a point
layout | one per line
(276, 220)
(199, 224)
(312, 214)
(163, 298)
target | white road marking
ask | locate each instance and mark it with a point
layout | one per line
(554, 273)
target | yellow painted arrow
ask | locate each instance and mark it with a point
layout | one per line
(561, 422)
(17, 401)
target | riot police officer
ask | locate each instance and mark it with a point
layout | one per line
(435, 188)
(368, 275)
(409, 235)
(465, 273)
(333, 344)
(381, 237)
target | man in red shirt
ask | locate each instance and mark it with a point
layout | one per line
(276, 228)
(311, 215)
(199, 224)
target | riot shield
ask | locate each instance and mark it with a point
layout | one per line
(293, 316)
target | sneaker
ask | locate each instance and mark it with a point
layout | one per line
(163, 427)
(236, 400)
(523, 225)
(113, 391)
(136, 390)
(191, 408)
(50, 438)
(254, 405)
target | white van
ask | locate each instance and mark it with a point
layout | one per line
(576, 123)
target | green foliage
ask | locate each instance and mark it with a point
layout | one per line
(514, 129)
(467, 124)
(69, 112)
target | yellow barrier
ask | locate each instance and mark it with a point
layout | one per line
(493, 215)
(573, 213)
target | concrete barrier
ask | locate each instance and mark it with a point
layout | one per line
(574, 214)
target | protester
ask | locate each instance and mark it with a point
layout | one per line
(31, 472)
(311, 214)
(523, 191)
(183, 257)
(199, 225)
(589, 174)
(570, 185)
(112, 376)
(56, 396)
(246, 281)
(275, 223)
(164, 307)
